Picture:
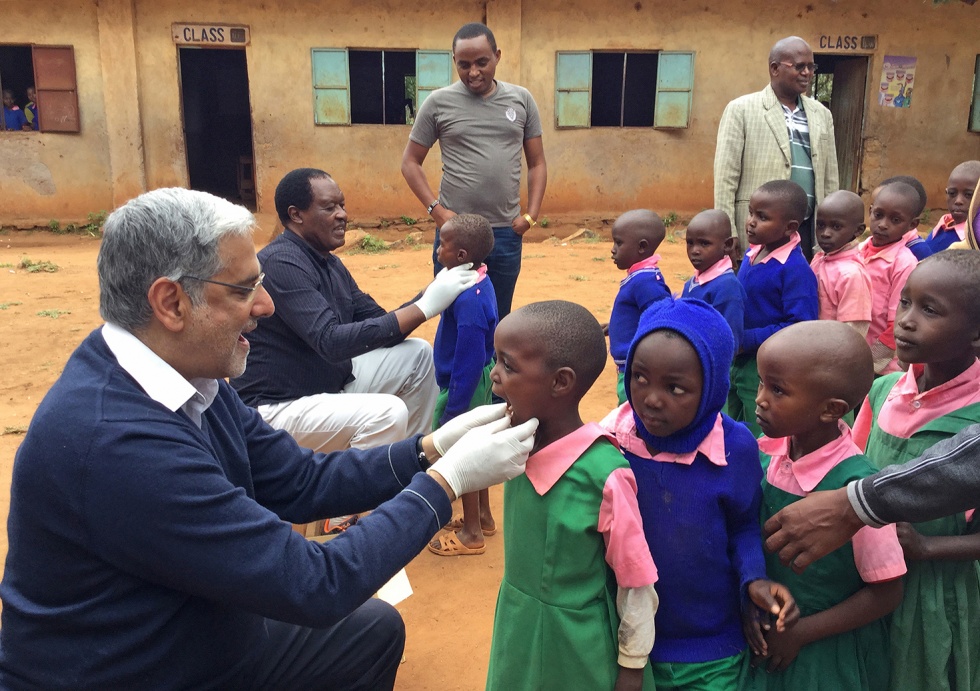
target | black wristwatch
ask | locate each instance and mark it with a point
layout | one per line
(423, 459)
(431, 206)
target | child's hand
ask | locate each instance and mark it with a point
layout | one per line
(775, 599)
(629, 679)
(605, 328)
(914, 543)
(752, 620)
(784, 646)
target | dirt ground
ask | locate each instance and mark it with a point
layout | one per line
(43, 317)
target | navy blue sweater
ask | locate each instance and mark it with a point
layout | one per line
(726, 295)
(322, 320)
(145, 552)
(637, 291)
(464, 345)
(702, 524)
(776, 295)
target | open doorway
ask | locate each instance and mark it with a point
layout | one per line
(842, 85)
(218, 122)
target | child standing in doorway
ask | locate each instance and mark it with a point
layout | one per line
(576, 604)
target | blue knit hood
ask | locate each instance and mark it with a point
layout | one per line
(711, 337)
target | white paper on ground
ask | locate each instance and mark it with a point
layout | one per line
(395, 590)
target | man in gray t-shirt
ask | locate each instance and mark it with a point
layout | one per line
(482, 126)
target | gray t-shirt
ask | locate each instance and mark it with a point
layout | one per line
(481, 140)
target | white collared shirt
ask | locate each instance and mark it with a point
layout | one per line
(160, 381)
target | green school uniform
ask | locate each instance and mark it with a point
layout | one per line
(935, 632)
(556, 626)
(856, 659)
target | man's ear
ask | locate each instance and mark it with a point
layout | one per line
(563, 382)
(170, 304)
(834, 409)
(294, 214)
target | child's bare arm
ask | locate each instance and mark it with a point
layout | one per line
(629, 679)
(919, 547)
(872, 602)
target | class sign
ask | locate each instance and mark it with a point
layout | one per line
(213, 35)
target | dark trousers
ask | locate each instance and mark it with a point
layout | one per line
(503, 265)
(807, 239)
(362, 651)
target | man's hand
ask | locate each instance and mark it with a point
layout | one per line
(450, 433)
(629, 679)
(441, 215)
(520, 225)
(775, 599)
(811, 528)
(486, 456)
(446, 287)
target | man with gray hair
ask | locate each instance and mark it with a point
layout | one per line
(149, 533)
(776, 134)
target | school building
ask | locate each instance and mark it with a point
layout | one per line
(227, 97)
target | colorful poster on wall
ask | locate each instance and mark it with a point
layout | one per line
(897, 80)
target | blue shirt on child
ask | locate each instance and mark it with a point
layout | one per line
(726, 295)
(643, 285)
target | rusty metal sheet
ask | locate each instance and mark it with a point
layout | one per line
(55, 83)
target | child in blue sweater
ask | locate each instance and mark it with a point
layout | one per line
(698, 482)
(463, 354)
(709, 246)
(636, 236)
(780, 286)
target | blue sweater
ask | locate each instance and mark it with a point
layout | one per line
(702, 524)
(726, 295)
(637, 291)
(776, 295)
(145, 552)
(464, 345)
(924, 248)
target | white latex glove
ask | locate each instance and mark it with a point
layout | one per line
(487, 455)
(446, 287)
(450, 433)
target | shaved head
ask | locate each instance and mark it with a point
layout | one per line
(786, 47)
(642, 224)
(845, 204)
(712, 221)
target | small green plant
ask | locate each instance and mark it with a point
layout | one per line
(6, 265)
(95, 223)
(598, 259)
(409, 221)
(382, 267)
(579, 277)
(16, 429)
(592, 238)
(369, 245)
(544, 222)
(54, 226)
(53, 314)
(7, 305)
(384, 223)
(33, 267)
(670, 219)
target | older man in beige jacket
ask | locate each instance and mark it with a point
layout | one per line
(777, 133)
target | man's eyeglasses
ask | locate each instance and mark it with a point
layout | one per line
(802, 67)
(244, 291)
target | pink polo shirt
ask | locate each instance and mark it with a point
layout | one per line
(721, 266)
(878, 555)
(648, 263)
(627, 552)
(888, 268)
(946, 225)
(621, 424)
(780, 254)
(843, 286)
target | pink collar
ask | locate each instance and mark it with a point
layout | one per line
(481, 272)
(621, 423)
(946, 224)
(907, 385)
(887, 254)
(547, 466)
(780, 254)
(810, 469)
(720, 267)
(648, 263)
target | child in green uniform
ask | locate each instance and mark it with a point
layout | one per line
(935, 632)
(811, 375)
(576, 604)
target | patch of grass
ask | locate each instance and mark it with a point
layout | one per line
(16, 429)
(534, 256)
(544, 222)
(579, 277)
(670, 219)
(6, 305)
(409, 221)
(95, 222)
(592, 239)
(6, 265)
(54, 226)
(53, 314)
(33, 267)
(386, 266)
(598, 259)
(369, 245)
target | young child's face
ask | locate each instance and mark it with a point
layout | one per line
(931, 323)
(30, 93)
(767, 223)
(891, 217)
(521, 376)
(8, 98)
(665, 383)
(959, 192)
(787, 402)
(835, 226)
(628, 247)
(448, 252)
(706, 245)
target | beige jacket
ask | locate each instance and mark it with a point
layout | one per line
(753, 148)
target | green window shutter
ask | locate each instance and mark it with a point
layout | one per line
(573, 89)
(433, 70)
(331, 87)
(675, 84)
(975, 108)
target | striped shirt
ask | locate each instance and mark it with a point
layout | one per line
(799, 145)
